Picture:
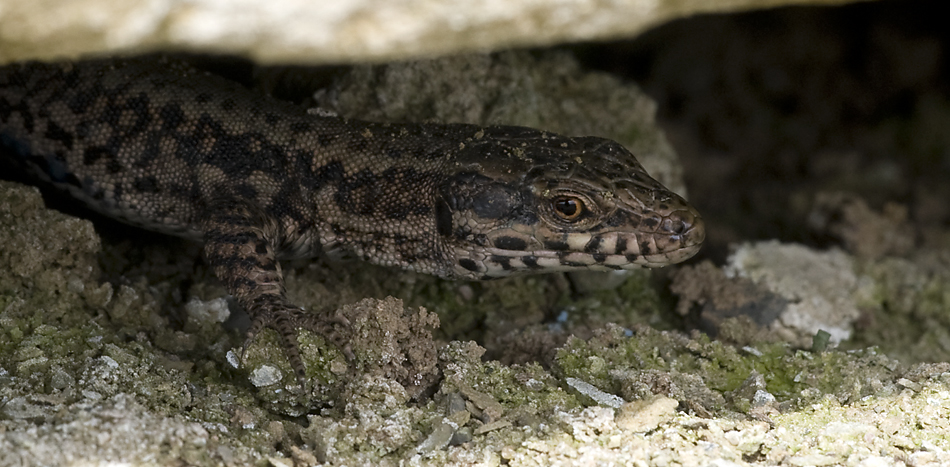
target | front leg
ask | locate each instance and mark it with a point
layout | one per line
(241, 244)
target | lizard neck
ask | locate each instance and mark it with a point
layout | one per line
(373, 192)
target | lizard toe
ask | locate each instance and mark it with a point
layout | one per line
(287, 320)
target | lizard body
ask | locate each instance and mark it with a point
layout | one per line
(157, 144)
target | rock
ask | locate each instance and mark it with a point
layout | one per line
(791, 290)
(820, 286)
(591, 391)
(340, 31)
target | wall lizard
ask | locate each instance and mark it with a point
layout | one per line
(159, 145)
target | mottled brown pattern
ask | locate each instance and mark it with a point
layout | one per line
(159, 145)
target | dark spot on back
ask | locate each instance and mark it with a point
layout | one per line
(172, 116)
(299, 127)
(420, 209)
(7, 109)
(358, 193)
(531, 262)
(246, 190)
(327, 173)
(399, 211)
(92, 154)
(203, 98)
(57, 133)
(146, 185)
(228, 104)
(82, 100)
(358, 144)
(113, 166)
(555, 245)
(325, 140)
(139, 105)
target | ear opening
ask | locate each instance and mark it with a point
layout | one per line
(443, 217)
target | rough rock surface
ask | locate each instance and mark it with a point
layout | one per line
(792, 290)
(304, 31)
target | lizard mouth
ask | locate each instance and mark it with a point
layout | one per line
(608, 251)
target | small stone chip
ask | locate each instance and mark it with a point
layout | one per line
(906, 383)
(496, 425)
(460, 418)
(464, 435)
(762, 398)
(233, 359)
(441, 434)
(600, 397)
(302, 458)
(280, 462)
(489, 406)
(266, 375)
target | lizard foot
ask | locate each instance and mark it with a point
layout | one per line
(286, 320)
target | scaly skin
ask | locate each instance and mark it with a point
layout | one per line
(156, 144)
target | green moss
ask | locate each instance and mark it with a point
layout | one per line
(603, 360)
(909, 309)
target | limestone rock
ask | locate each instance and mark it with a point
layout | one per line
(306, 31)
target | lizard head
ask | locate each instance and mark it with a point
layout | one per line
(520, 201)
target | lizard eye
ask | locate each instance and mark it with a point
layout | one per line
(568, 208)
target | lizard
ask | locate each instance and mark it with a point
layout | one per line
(158, 144)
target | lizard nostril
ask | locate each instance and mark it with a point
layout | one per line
(680, 223)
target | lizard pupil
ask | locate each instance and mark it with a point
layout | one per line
(568, 208)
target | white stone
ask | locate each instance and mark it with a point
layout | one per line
(307, 31)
